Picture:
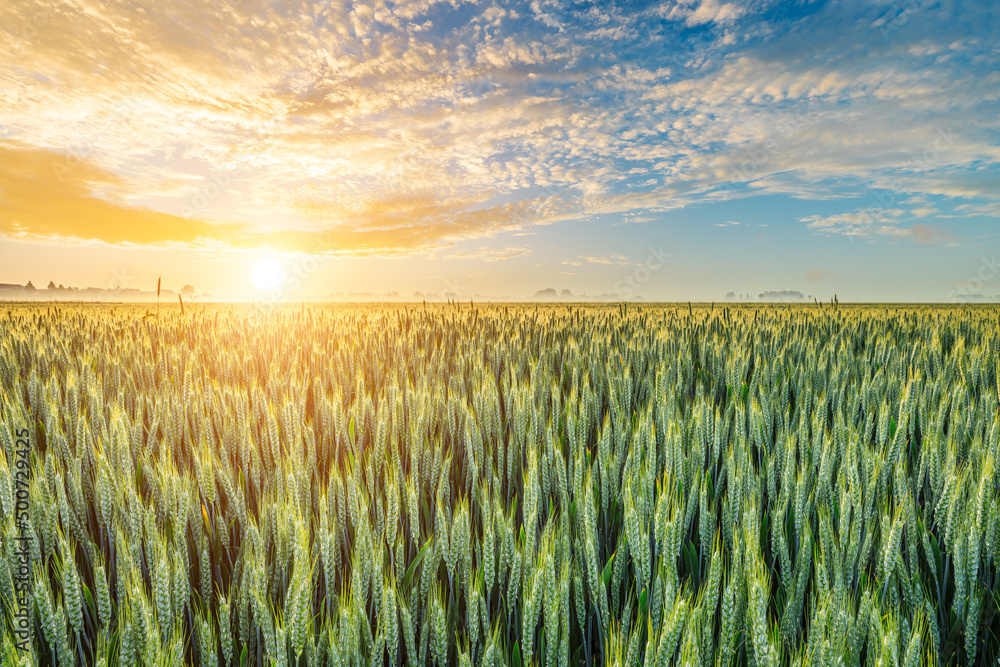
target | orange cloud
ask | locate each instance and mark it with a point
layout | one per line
(48, 196)
(819, 275)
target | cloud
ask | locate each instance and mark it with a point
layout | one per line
(927, 234)
(695, 13)
(991, 209)
(44, 195)
(403, 127)
(819, 275)
(612, 259)
(599, 260)
(487, 254)
(875, 222)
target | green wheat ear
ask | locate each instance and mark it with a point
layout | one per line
(504, 485)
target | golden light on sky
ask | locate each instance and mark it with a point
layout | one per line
(267, 274)
(489, 149)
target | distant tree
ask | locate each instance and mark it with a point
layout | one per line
(187, 290)
(730, 295)
(783, 295)
(29, 286)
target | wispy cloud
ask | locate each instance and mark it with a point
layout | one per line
(695, 12)
(487, 254)
(880, 222)
(819, 275)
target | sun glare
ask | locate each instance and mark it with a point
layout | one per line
(268, 274)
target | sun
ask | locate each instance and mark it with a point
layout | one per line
(268, 274)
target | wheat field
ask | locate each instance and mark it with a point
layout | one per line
(500, 485)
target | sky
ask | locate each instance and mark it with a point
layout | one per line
(659, 151)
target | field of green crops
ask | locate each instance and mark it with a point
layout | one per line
(491, 485)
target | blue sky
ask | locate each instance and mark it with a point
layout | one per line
(667, 150)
